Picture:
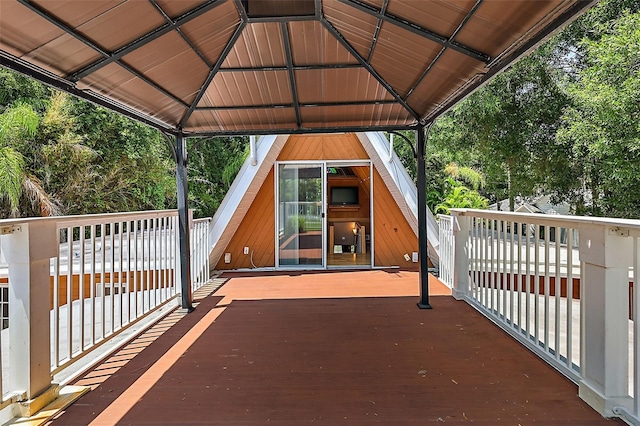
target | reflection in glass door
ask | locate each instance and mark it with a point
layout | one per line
(300, 218)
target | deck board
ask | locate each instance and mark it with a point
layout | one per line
(334, 348)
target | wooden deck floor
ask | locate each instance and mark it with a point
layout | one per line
(330, 348)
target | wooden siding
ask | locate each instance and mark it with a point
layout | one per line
(256, 231)
(393, 236)
(323, 147)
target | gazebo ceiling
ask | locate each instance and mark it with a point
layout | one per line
(274, 66)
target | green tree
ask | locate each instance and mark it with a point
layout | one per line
(602, 128)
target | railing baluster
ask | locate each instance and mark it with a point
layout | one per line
(536, 285)
(547, 275)
(558, 293)
(512, 279)
(570, 298)
(81, 280)
(103, 283)
(636, 329)
(92, 289)
(112, 278)
(527, 299)
(69, 292)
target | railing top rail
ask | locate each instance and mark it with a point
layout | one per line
(203, 219)
(555, 220)
(89, 218)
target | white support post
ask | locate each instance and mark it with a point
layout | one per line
(28, 249)
(606, 255)
(460, 256)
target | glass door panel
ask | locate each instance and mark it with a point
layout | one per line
(300, 221)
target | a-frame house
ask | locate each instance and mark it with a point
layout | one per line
(320, 201)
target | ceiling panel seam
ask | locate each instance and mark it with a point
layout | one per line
(369, 68)
(292, 77)
(295, 68)
(214, 71)
(145, 39)
(471, 12)
(291, 105)
(419, 30)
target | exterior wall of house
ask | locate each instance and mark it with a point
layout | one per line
(393, 237)
(393, 234)
(256, 231)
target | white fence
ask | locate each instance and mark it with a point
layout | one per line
(76, 282)
(199, 252)
(447, 249)
(562, 286)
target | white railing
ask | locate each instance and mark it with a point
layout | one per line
(447, 249)
(109, 272)
(565, 298)
(76, 282)
(199, 252)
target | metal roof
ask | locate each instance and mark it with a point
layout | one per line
(274, 66)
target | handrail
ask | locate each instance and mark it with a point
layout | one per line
(569, 298)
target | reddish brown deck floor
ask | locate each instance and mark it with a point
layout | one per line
(335, 348)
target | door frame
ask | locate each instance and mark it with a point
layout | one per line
(323, 168)
(353, 163)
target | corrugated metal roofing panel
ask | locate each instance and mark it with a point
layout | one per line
(312, 44)
(259, 45)
(451, 71)
(400, 56)
(354, 115)
(211, 32)
(172, 55)
(339, 85)
(168, 56)
(275, 8)
(116, 82)
(248, 89)
(355, 26)
(176, 8)
(119, 25)
(32, 37)
(240, 120)
(498, 24)
(441, 17)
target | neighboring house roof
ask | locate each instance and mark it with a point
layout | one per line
(541, 204)
(250, 178)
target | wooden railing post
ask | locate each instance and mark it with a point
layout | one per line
(28, 248)
(460, 255)
(606, 255)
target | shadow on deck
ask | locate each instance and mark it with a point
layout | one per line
(333, 348)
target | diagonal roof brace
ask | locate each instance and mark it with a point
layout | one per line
(292, 78)
(417, 29)
(145, 39)
(369, 68)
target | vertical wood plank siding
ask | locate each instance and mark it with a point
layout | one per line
(323, 147)
(393, 237)
(256, 231)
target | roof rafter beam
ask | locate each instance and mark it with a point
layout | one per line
(145, 39)
(55, 21)
(52, 80)
(302, 131)
(369, 68)
(291, 105)
(376, 33)
(214, 71)
(184, 37)
(439, 55)
(295, 68)
(292, 78)
(419, 30)
(64, 27)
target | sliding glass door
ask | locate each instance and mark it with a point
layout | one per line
(300, 214)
